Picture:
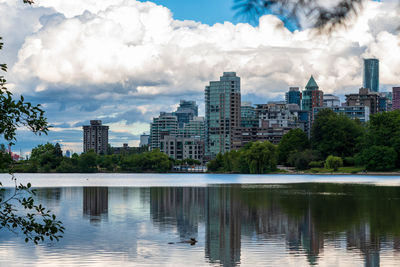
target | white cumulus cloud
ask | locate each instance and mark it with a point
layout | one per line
(92, 58)
(141, 47)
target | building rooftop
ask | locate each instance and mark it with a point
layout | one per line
(312, 85)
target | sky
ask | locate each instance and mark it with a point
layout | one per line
(124, 61)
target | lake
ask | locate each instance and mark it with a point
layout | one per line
(238, 220)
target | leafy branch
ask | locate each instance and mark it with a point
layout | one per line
(19, 211)
(36, 224)
(293, 11)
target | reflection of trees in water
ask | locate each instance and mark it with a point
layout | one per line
(53, 194)
(307, 215)
(95, 202)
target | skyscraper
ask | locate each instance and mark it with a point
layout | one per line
(371, 74)
(194, 128)
(396, 98)
(95, 136)
(312, 96)
(293, 96)
(144, 139)
(186, 111)
(222, 101)
(163, 125)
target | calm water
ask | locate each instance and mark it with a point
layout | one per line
(114, 220)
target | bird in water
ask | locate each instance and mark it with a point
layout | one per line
(192, 241)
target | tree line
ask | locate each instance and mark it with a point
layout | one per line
(49, 158)
(335, 141)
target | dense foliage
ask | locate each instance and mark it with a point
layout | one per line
(294, 140)
(254, 158)
(49, 158)
(337, 135)
(374, 145)
(333, 162)
(377, 158)
(302, 159)
(384, 131)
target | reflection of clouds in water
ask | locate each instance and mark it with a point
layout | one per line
(265, 226)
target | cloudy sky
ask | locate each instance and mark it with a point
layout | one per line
(124, 61)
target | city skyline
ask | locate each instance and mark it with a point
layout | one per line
(80, 87)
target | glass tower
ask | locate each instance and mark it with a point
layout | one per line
(186, 111)
(293, 96)
(371, 74)
(222, 100)
(312, 96)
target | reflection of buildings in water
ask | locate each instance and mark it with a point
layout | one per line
(360, 237)
(311, 239)
(396, 243)
(223, 225)
(230, 212)
(95, 202)
(180, 206)
(270, 222)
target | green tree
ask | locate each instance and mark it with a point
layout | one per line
(384, 130)
(377, 158)
(155, 161)
(88, 162)
(47, 156)
(337, 135)
(217, 164)
(106, 162)
(5, 159)
(260, 157)
(68, 165)
(57, 151)
(294, 140)
(301, 159)
(333, 162)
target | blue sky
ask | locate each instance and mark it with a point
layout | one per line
(125, 61)
(205, 11)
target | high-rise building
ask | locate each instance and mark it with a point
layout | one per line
(163, 125)
(371, 74)
(312, 96)
(271, 122)
(222, 103)
(396, 98)
(248, 116)
(293, 96)
(144, 139)
(194, 128)
(364, 98)
(95, 136)
(186, 111)
(331, 100)
(383, 102)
